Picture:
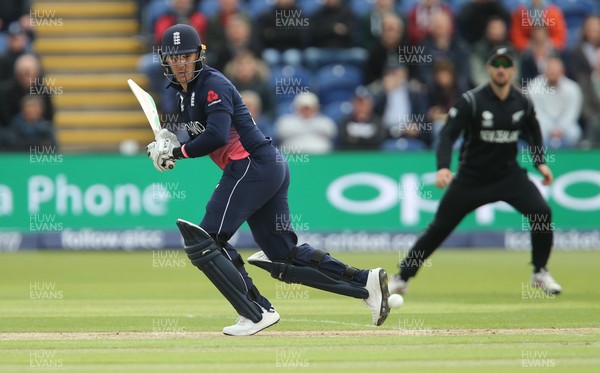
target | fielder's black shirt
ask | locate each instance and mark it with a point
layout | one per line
(491, 129)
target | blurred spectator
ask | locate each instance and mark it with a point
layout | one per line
(238, 39)
(306, 130)
(474, 16)
(537, 14)
(28, 80)
(247, 72)
(535, 57)
(29, 127)
(403, 106)
(181, 11)
(332, 26)
(583, 57)
(363, 129)
(444, 44)
(590, 88)
(14, 10)
(496, 35)
(18, 44)
(283, 33)
(558, 103)
(333, 37)
(392, 40)
(217, 25)
(418, 19)
(444, 94)
(371, 24)
(254, 104)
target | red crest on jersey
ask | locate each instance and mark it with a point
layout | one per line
(212, 95)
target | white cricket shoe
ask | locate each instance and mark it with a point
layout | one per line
(544, 281)
(397, 285)
(245, 326)
(377, 301)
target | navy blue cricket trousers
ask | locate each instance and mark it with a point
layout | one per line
(255, 189)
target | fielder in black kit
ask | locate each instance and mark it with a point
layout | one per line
(253, 189)
(492, 118)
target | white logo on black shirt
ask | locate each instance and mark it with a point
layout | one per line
(487, 119)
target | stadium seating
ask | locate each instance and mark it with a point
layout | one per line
(208, 7)
(287, 81)
(337, 82)
(88, 61)
(309, 7)
(337, 110)
(361, 7)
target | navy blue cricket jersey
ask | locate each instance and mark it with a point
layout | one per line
(217, 120)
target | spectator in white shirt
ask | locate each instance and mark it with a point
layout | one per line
(558, 102)
(306, 130)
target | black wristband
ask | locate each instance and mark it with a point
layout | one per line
(177, 153)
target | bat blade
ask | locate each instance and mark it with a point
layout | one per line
(148, 105)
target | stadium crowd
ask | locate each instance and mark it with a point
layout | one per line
(327, 75)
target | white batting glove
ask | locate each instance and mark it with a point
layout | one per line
(165, 134)
(161, 162)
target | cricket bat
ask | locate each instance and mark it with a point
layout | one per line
(149, 107)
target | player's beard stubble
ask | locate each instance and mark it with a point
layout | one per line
(501, 78)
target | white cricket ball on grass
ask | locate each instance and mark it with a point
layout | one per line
(395, 301)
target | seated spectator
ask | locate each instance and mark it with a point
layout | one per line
(283, 33)
(363, 129)
(590, 88)
(254, 104)
(474, 16)
(27, 80)
(371, 24)
(249, 73)
(217, 25)
(583, 56)
(535, 57)
(15, 11)
(444, 94)
(239, 38)
(332, 26)
(306, 131)
(558, 103)
(18, 43)
(403, 108)
(181, 11)
(29, 128)
(418, 19)
(443, 44)
(333, 36)
(496, 35)
(537, 14)
(391, 42)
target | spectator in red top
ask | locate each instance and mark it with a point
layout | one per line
(538, 13)
(419, 16)
(182, 11)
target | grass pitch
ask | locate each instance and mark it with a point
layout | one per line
(467, 311)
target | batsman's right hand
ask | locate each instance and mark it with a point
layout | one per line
(160, 163)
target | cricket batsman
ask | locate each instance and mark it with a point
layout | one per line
(253, 189)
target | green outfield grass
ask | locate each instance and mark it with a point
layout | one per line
(468, 311)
